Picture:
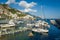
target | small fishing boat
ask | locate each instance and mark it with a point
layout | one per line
(30, 34)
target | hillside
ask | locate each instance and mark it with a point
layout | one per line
(9, 13)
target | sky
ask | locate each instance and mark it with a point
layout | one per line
(48, 8)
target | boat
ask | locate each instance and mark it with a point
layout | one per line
(30, 34)
(56, 22)
(39, 30)
(53, 22)
(11, 23)
(41, 26)
(9, 26)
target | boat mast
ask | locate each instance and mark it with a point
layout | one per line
(42, 12)
(43, 16)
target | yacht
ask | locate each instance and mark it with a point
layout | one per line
(39, 30)
(53, 22)
(7, 28)
(41, 26)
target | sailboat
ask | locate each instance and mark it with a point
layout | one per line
(42, 26)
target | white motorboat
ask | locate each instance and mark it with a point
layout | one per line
(11, 23)
(40, 30)
(41, 27)
(53, 22)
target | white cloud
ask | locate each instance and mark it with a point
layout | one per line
(10, 1)
(24, 4)
(27, 5)
(30, 10)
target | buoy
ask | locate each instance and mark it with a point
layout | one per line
(30, 34)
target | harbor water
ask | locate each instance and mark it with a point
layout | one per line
(53, 34)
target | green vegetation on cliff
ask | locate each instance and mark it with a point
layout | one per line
(12, 10)
(9, 12)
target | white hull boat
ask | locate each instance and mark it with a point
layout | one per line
(40, 30)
